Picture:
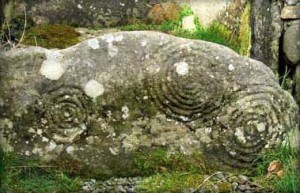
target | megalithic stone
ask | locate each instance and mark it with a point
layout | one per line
(105, 99)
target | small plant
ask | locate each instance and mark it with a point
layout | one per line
(216, 33)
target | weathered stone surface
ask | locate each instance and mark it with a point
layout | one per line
(292, 2)
(266, 29)
(291, 44)
(188, 23)
(101, 102)
(88, 12)
(290, 12)
(164, 12)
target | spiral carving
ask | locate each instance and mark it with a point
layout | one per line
(65, 113)
(251, 123)
(243, 121)
(182, 95)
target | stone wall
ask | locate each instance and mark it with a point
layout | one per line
(276, 38)
(88, 13)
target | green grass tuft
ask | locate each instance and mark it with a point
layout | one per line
(289, 157)
(23, 175)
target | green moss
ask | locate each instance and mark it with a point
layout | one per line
(160, 161)
(245, 32)
(51, 36)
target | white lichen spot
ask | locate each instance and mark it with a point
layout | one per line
(231, 67)
(109, 38)
(45, 139)
(93, 43)
(122, 4)
(27, 153)
(145, 97)
(52, 69)
(39, 131)
(240, 135)
(79, 6)
(144, 43)
(125, 111)
(119, 38)
(233, 153)
(52, 146)
(112, 50)
(261, 127)
(182, 68)
(114, 150)
(93, 89)
(70, 149)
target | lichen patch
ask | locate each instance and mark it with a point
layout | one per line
(182, 68)
(52, 68)
(93, 43)
(112, 50)
(261, 127)
(93, 89)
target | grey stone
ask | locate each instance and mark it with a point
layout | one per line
(291, 12)
(292, 2)
(106, 99)
(88, 12)
(291, 44)
(266, 29)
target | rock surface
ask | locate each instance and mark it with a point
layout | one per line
(291, 43)
(292, 2)
(266, 29)
(88, 12)
(291, 12)
(99, 103)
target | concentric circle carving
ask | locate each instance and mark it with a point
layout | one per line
(65, 113)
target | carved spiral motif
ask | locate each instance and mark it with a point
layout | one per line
(243, 121)
(65, 113)
(179, 88)
(252, 122)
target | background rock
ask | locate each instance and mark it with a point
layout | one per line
(291, 44)
(266, 28)
(100, 103)
(87, 13)
(164, 12)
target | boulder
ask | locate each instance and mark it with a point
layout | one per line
(291, 43)
(105, 100)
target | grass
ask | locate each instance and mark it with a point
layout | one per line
(160, 161)
(289, 157)
(24, 175)
(216, 33)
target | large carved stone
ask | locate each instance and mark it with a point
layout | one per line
(104, 100)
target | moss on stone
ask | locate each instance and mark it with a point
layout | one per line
(245, 31)
(52, 36)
